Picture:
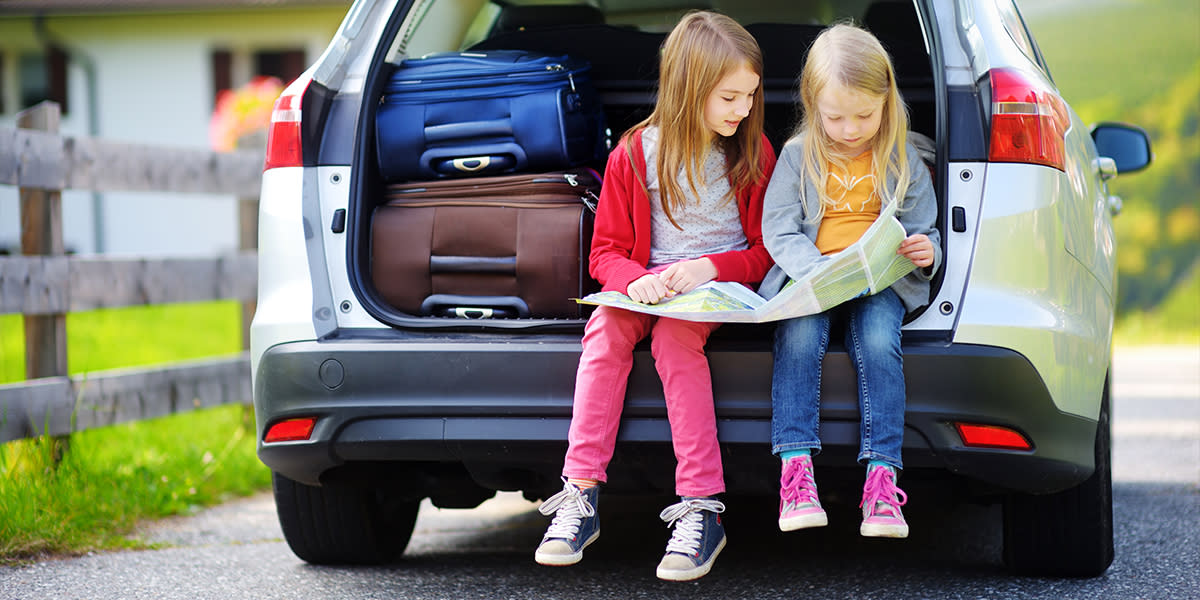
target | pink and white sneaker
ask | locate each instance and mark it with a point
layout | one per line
(881, 505)
(799, 507)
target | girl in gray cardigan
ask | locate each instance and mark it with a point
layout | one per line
(824, 193)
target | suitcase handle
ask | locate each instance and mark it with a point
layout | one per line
(471, 164)
(474, 307)
(499, 265)
(449, 132)
(484, 158)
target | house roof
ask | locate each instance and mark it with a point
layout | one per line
(67, 7)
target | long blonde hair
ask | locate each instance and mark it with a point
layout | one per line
(846, 55)
(702, 49)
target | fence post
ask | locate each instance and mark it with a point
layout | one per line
(42, 235)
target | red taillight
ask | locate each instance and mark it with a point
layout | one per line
(283, 137)
(291, 430)
(991, 436)
(1029, 121)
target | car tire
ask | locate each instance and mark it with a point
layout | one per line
(1069, 533)
(341, 523)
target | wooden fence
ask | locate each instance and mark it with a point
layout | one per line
(44, 284)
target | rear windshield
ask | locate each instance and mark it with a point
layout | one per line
(444, 26)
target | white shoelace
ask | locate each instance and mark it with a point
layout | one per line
(570, 507)
(688, 522)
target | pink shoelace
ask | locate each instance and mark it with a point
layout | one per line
(881, 488)
(797, 484)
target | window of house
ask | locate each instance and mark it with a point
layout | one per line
(287, 65)
(33, 83)
(222, 71)
(42, 75)
(231, 69)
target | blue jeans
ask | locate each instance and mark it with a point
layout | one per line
(873, 343)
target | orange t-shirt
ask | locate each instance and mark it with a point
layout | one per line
(856, 205)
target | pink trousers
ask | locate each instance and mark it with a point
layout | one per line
(678, 350)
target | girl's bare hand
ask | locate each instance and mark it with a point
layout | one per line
(684, 276)
(918, 249)
(647, 289)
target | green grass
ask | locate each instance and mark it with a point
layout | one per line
(111, 478)
(132, 336)
(108, 479)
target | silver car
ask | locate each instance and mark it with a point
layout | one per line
(364, 410)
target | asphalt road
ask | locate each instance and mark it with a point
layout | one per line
(236, 550)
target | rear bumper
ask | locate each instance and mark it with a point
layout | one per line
(501, 407)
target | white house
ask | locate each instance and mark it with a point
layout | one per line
(147, 71)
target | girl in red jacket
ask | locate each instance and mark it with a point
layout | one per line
(656, 236)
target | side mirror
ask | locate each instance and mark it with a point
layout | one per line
(1127, 145)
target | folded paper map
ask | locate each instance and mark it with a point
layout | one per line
(865, 267)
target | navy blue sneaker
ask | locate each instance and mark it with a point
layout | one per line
(698, 539)
(574, 527)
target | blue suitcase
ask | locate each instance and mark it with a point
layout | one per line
(486, 113)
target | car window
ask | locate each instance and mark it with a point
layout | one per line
(433, 26)
(1015, 26)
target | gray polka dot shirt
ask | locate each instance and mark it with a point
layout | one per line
(710, 224)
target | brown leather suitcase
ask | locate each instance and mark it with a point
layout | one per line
(512, 246)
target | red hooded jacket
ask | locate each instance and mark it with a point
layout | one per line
(621, 240)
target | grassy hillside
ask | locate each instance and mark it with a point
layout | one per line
(1109, 56)
(1139, 62)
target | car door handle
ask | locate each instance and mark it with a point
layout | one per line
(1106, 167)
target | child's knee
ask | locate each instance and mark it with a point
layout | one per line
(672, 336)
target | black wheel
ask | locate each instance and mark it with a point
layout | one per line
(342, 523)
(1069, 533)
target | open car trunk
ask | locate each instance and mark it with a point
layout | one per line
(622, 47)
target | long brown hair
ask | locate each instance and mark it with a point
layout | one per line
(851, 57)
(701, 50)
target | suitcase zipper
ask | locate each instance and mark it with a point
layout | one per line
(484, 202)
(588, 198)
(532, 183)
(536, 191)
(550, 75)
(570, 77)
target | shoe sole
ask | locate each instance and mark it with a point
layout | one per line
(690, 574)
(879, 530)
(564, 560)
(803, 521)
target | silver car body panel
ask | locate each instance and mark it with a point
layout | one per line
(285, 290)
(965, 191)
(1027, 293)
(335, 195)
